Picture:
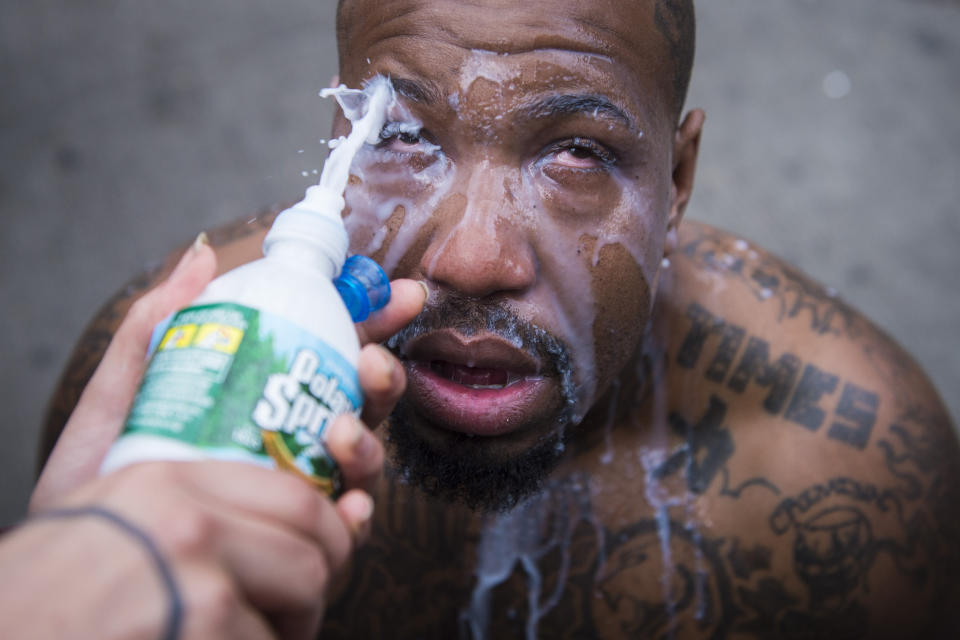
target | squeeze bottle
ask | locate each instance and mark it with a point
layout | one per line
(259, 365)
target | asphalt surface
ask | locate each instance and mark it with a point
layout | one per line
(832, 139)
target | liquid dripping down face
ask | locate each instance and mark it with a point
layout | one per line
(525, 171)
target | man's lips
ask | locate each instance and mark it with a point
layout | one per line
(480, 385)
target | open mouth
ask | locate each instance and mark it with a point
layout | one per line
(478, 385)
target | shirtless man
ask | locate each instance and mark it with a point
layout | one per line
(616, 425)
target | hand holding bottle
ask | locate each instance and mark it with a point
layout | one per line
(248, 547)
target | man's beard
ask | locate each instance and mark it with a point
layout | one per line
(462, 467)
(464, 470)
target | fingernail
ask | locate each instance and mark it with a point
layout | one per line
(361, 442)
(365, 510)
(200, 241)
(388, 362)
(189, 254)
(363, 514)
(426, 290)
(353, 432)
(363, 445)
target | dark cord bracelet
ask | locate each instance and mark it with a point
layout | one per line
(175, 612)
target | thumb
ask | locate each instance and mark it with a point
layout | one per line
(100, 412)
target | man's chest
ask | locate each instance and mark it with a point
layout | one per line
(559, 566)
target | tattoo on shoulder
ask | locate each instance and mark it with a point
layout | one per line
(707, 447)
(771, 280)
(799, 392)
(840, 536)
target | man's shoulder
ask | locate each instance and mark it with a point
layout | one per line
(747, 324)
(811, 429)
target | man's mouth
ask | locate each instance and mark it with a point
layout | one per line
(479, 385)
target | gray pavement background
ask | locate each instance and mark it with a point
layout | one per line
(832, 139)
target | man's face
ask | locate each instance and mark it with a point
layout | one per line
(526, 174)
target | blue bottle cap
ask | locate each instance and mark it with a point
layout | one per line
(363, 285)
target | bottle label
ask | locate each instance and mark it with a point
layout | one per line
(243, 384)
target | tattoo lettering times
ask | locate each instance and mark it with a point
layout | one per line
(796, 391)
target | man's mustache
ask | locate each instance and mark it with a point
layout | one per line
(469, 317)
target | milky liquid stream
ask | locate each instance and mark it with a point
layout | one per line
(516, 538)
(366, 110)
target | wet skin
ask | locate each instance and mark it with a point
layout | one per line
(817, 492)
(759, 461)
(540, 183)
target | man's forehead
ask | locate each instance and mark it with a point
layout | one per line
(604, 27)
(515, 26)
(623, 33)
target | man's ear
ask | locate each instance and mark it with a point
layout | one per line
(686, 146)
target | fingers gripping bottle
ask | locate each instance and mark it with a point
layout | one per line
(259, 365)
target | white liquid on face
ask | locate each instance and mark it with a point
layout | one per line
(500, 202)
(366, 110)
(431, 185)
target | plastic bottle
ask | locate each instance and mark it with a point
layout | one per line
(259, 365)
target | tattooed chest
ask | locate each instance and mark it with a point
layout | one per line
(549, 569)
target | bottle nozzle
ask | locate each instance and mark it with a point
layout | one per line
(363, 285)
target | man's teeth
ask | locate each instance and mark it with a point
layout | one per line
(476, 378)
(511, 380)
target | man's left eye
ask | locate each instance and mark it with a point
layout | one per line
(401, 138)
(580, 153)
(403, 142)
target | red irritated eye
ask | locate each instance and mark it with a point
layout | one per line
(578, 158)
(403, 142)
(581, 154)
(404, 138)
(408, 143)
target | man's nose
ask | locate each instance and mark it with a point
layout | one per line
(486, 250)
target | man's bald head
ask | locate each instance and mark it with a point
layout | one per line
(673, 19)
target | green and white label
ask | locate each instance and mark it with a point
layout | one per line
(242, 384)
